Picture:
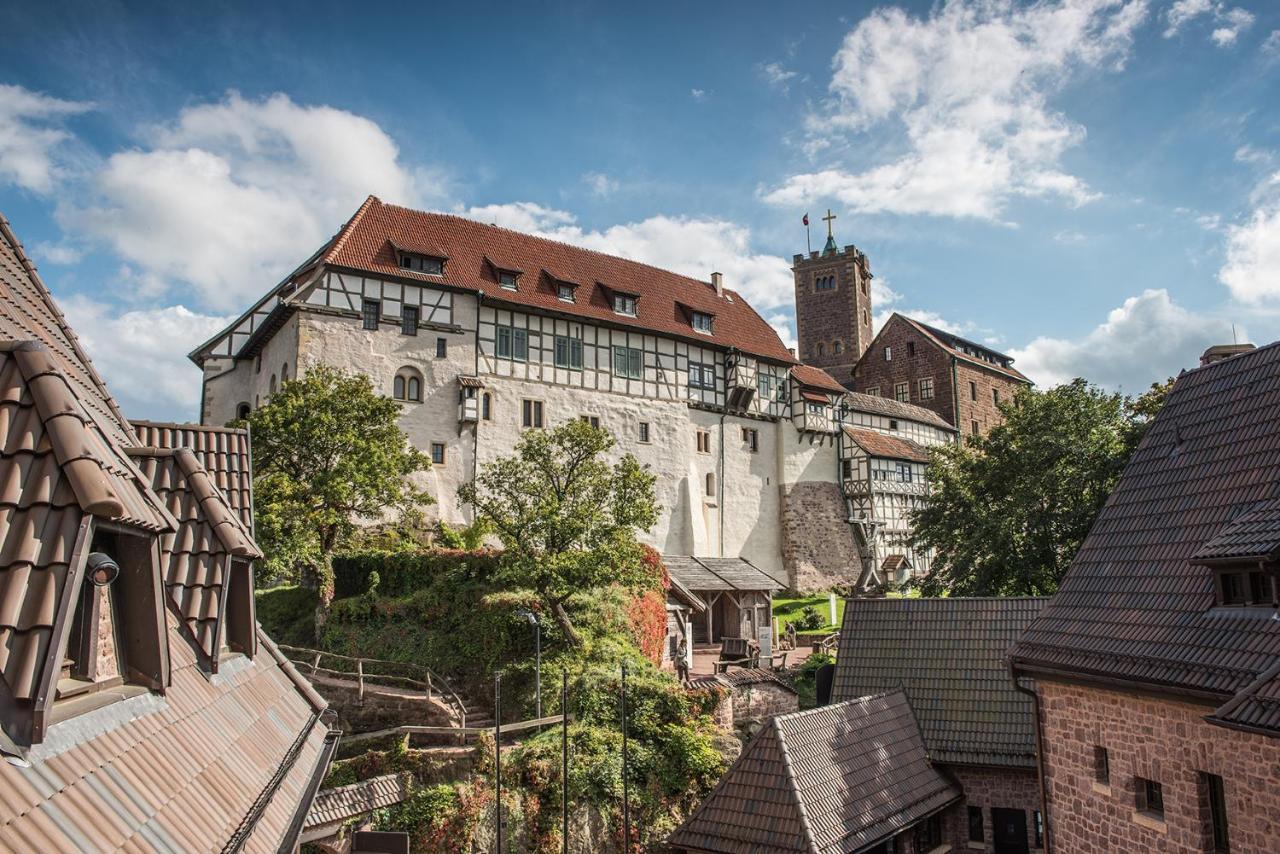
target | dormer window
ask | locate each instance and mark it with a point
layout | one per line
(1244, 588)
(507, 280)
(701, 322)
(624, 304)
(564, 292)
(418, 263)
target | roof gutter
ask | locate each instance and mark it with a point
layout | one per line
(1040, 781)
(289, 843)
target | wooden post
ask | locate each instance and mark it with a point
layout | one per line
(315, 664)
(360, 677)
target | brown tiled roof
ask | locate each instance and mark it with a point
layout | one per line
(1252, 536)
(719, 573)
(222, 451)
(1135, 604)
(368, 243)
(838, 778)
(810, 377)
(893, 562)
(194, 558)
(887, 447)
(949, 656)
(1257, 707)
(739, 676)
(891, 408)
(344, 802)
(954, 344)
(171, 774)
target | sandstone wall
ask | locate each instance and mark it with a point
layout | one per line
(987, 788)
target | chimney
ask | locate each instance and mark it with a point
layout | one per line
(1218, 352)
(717, 282)
(792, 351)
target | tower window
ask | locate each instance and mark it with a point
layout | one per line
(837, 347)
(824, 283)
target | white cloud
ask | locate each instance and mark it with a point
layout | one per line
(600, 184)
(58, 253)
(1145, 340)
(1230, 21)
(159, 338)
(33, 149)
(1250, 154)
(698, 94)
(966, 90)
(1271, 45)
(777, 76)
(1070, 237)
(233, 194)
(693, 246)
(783, 324)
(888, 302)
(1252, 267)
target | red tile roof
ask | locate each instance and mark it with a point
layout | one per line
(222, 451)
(887, 447)
(368, 243)
(811, 377)
(1137, 604)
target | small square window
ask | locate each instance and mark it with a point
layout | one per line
(442, 347)
(507, 281)
(564, 292)
(409, 320)
(1150, 797)
(644, 432)
(371, 312)
(902, 392)
(977, 833)
(1101, 765)
(531, 414)
(437, 453)
(593, 420)
(624, 304)
(893, 424)
(751, 437)
(874, 391)
(702, 322)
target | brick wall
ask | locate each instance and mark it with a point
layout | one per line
(1159, 739)
(817, 547)
(759, 701)
(842, 314)
(914, 358)
(987, 788)
(977, 403)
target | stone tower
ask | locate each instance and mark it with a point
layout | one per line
(833, 307)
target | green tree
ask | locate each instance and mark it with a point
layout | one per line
(1008, 511)
(566, 517)
(328, 454)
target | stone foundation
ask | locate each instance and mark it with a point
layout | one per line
(817, 546)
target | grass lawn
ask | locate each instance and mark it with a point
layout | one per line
(787, 610)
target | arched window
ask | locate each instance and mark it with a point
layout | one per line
(711, 484)
(257, 364)
(284, 373)
(837, 347)
(257, 401)
(486, 407)
(272, 386)
(407, 385)
(822, 349)
(243, 410)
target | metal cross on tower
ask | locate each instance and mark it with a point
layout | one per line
(827, 219)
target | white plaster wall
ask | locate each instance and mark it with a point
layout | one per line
(229, 383)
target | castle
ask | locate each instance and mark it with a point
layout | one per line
(482, 332)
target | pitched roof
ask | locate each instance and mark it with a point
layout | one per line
(344, 802)
(967, 350)
(222, 451)
(1136, 603)
(194, 558)
(949, 656)
(719, 573)
(887, 447)
(369, 243)
(1251, 536)
(739, 676)
(896, 409)
(837, 778)
(811, 377)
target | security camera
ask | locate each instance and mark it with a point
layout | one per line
(102, 569)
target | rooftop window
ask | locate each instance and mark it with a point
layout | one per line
(624, 304)
(419, 263)
(702, 322)
(1240, 588)
(507, 280)
(564, 292)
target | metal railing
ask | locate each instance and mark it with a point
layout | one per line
(377, 673)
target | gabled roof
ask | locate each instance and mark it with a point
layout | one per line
(891, 408)
(1137, 605)
(1252, 536)
(719, 573)
(949, 656)
(222, 451)
(831, 780)
(816, 378)
(887, 447)
(368, 243)
(964, 349)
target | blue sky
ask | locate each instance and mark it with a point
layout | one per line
(1090, 185)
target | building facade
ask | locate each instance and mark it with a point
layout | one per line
(833, 307)
(482, 333)
(961, 381)
(1156, 665)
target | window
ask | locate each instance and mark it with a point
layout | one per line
(644, 432)
(507, 281)
(624, 304)
(257, 364)
(764, 387)
(902, 392)
(1037, 821)
(272, 385)
(837, 347)
(888, 354)
(874, 391)
(703, 440)
(564, 292)
(1101, 766)
(421, 263)
(822, 350)
(284, 373)
(1215, 803)
(904, 472)
(911, 348)
(846, 469)
(531, 414)
(486, 407)
(371, 312)
(815, 408)
(824, 283)
(702, 322)
(973, 427)
(407, 385)
(926, 388)
(409, 320)
(513, 343)
(976, 830)
(1150, 797)
(893, 424)
(437, 453)
(243, 410)
(702, 376)
(995, 396)
(711, 484)
(1245, 588)
(751, 437)
(593, 420)
(627, 362)
(973, 391)
(929, 833)
(568, 352)
(442, 347)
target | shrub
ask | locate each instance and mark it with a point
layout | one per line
(809, 619)
(288, 614)
(401, 573)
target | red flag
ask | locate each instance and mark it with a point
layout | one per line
(806, 219)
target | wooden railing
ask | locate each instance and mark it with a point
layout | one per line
(535, 723)
(377, 673)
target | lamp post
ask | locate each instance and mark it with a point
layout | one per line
(532, 619)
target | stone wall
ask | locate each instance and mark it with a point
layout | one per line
(914, 358)
(759, 701)
(1016, 789)
(977, 403)
(837, 318)
(1159, 739)
(817, 553)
